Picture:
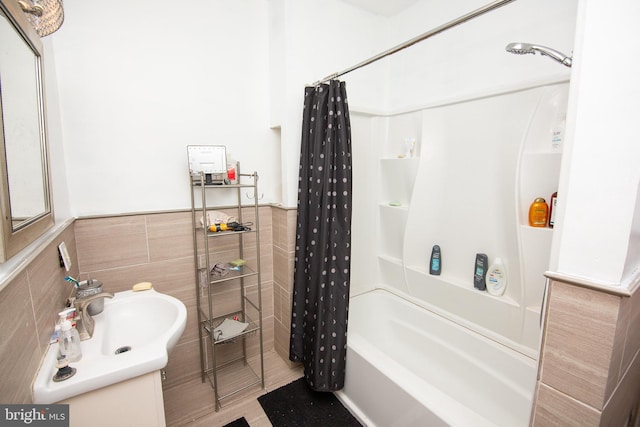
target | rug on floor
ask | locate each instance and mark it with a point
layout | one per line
(296, 405)
(240, 422)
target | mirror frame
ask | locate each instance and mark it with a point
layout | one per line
(14, 240)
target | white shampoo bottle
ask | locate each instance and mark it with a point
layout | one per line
(496, 278)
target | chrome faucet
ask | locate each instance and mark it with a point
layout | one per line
(84, 321)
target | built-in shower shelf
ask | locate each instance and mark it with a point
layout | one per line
(390, 259)
(397, 180)
(401, 159)
(389, 205)
(448, 280)
(531, 229)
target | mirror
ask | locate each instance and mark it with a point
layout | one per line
(25, 198)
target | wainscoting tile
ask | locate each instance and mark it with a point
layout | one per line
(191, 329)
(280, 266)
(184, 363)
(632, 343)
(557, 409)
(279, 224)
(619, 340)
(581, 326)
(266, 226)
(281, 339)
(266, 263)
(170, 236)
(174, 277)
(283, 265)
(622, 406)
(111, 242)
(292, 218)
(277, 302)
(267, 297)
(20, 351)
(49, 290)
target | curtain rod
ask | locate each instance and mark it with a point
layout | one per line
(474, 14)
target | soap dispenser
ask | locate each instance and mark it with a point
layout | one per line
(68, 338)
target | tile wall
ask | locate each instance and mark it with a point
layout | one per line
(29, 306)
(590, 361)
(158, 248)
(284, 238)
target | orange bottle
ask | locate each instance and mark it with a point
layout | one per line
(538, 213)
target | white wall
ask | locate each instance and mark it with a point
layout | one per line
(58, 170)
(139, 81)
(320, 38)
(470, 60)
(601, 174)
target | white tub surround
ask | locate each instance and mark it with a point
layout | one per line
(407, 366)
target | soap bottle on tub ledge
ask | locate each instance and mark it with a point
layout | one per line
(496, 278)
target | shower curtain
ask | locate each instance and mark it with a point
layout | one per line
(323, 239)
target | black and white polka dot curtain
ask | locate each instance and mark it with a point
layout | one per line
(323, 239)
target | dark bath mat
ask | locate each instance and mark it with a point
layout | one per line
(296, 405)
(240, 422)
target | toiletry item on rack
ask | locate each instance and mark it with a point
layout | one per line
(552, 209)
(435, 263)
(232, 171)
(480, 272)
(538, 213)
(496, 278)
(68, 338)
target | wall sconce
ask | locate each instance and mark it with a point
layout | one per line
(46, 16)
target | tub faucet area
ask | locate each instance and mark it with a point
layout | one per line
(84, 321)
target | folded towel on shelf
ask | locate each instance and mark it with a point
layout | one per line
(229, 328)
(219, 270)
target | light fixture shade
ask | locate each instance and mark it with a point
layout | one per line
(46, 16)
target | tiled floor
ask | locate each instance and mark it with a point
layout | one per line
(192, 403)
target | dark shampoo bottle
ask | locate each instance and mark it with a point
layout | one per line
(480, 272)
(435, 263)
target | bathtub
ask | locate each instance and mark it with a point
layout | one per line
(409, 367)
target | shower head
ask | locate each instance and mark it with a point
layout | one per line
(524, 48)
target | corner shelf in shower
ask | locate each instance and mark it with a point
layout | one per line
(397, 179)
(235, 363)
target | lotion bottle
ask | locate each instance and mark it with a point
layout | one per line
(496, 278)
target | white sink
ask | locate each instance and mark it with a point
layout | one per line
(132, 336)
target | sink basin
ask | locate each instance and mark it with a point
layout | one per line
(132, 336)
